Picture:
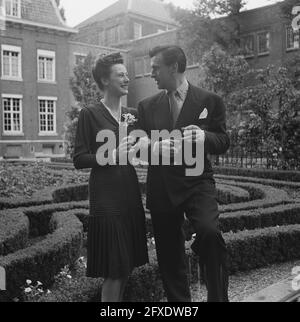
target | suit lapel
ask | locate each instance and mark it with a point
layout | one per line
(190, 111)
(161, 113)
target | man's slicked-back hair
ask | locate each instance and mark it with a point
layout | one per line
(171, 55)
(102, 67)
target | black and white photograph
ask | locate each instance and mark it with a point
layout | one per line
(149, 154)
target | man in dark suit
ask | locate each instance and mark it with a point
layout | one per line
(170, 192)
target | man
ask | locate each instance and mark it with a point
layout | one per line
(170, 192)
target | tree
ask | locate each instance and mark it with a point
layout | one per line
(85, 92)
(200, 30)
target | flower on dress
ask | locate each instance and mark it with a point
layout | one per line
(129, 119)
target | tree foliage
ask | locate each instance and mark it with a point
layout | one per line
(85, 92)
(200, 30)
(262, 105)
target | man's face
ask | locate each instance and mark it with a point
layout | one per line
(160, 72)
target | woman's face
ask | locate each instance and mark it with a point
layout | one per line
(118, 81)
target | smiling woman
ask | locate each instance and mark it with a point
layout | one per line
(117, 234)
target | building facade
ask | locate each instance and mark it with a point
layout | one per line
(34, 78)
(124, 21)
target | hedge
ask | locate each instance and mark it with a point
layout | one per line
(246, 250)
(14, 231)
(260, 218)
(44, 259)
(270, 197)
(281, 175)
(227, 194)
(270, 182)
(71, 193)
(41, 198)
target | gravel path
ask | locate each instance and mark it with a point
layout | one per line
(245, 284)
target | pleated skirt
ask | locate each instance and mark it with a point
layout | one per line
(117, 241)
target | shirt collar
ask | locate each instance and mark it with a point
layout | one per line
(183, 89)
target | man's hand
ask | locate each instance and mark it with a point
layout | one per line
(167, 148)
(193, 134)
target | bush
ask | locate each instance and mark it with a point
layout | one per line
(293, 176)
(71, 193)
(14, 231)
(42, 260)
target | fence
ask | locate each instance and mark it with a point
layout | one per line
(263, 160)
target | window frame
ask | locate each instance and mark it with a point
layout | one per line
(12, 133)
(47, 99)
(11, 8)
(11, 48)
(41, 53)
(287, 28)
(252, 35)
(268, 43)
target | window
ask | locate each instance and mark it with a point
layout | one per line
(247, 45)
(263, 39)
(137, 30)
(79, 58)
(46, 66)
(114, 35)
(139, 67)
(12, 114)
(292, 38)
(47, 115)
(13, 8)
(11, 62)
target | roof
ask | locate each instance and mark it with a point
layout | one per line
(41, 11)
(154, 9)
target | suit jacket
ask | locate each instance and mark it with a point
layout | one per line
(168, 186)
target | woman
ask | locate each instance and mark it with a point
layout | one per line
(116, 237)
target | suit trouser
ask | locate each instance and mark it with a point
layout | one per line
(202, 211)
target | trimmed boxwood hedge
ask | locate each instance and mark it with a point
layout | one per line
(44, 259)
(228, 194)
(270, 197)
(260, 218)
(281, 175)
(41, 198)
(71, 193)
(14, 231)
(247, 250)
(269, 182)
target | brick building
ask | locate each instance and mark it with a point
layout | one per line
(124, 21)
(34, 78)
(266, 38)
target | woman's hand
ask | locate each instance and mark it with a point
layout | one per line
(125, 146)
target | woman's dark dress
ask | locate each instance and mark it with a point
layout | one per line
(116, 235)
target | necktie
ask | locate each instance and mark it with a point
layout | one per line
(174, 108)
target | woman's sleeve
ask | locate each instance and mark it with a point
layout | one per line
(83, 156)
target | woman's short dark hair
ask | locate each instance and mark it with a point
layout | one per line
(171, 55)
(102, 67)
